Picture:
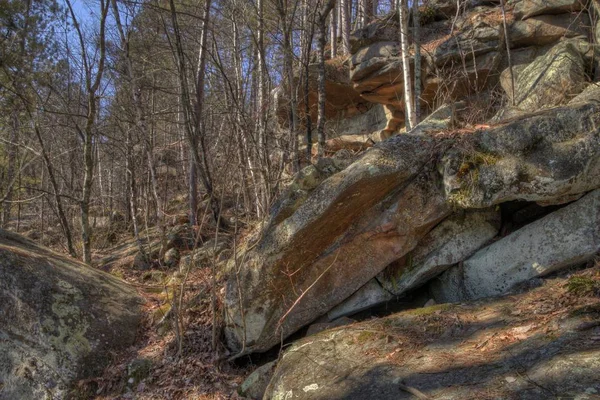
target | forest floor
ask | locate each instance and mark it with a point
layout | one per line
(179, 365)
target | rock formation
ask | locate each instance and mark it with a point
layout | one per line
(60, 320)
(435, 199)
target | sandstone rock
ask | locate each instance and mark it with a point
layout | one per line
(142, 262)
(172, 257)
(451, 242)
(561, 239)
(380, 30)
(590, 94)
(350, 142)
(477, 40)
(526, 55)
(449, 352)
(539, 157)
(371, 58)
(342, 100)
(351, 226)
(457, 80)
(297, 192)
(369, 295)
(441, 9)
(551, 80)
(546, 29)
(321, 326)
(595, 11)
(530, 8)
(181, 237)
(61, 320)
(255, 385)
(374, 118)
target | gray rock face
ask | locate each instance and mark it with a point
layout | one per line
(255, 385)
(451, 242)
(475, 41)
(563, 238)
(546, 29)
(60, 320)
(371, 294)
(540, 157)
(550, 80)
(591, 94)
(524, 9)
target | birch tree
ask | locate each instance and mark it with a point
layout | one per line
(409, 110)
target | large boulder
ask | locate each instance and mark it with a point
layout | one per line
(561, 239)
(349, 228)
(550, 80)
(60, 320)
(545, 156)
(526, 347)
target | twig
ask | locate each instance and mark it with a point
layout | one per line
(306, 291)
(415, 392)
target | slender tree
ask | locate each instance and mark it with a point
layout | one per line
(409, 110)
(321, 39)
(93, 78)
(417, 45)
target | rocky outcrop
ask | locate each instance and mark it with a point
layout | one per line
(524, 347)
(561, 239)
(61, 320)
(356, 222)
(550, 80)
(465, 56)
(423, 202)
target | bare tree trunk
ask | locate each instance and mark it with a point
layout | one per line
(288, 73)
(308, 33)
(92, 86)
(507, 42)
(417, 44)
(321, 39)
(361, 16)
(132, 191)
(10, 170)
(333, 31)
(345, 16)
(64, 222)
(193, 116)
(263, 145)
(408, 95)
